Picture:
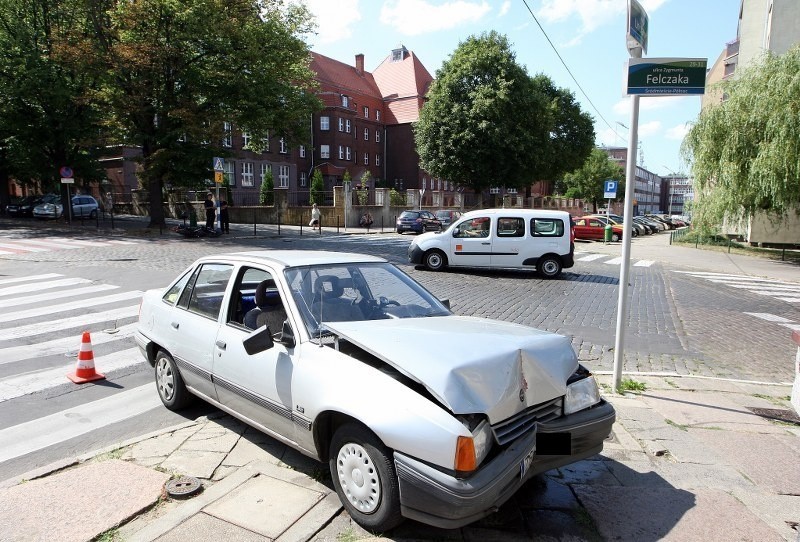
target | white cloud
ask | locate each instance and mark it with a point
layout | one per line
(415, 17)
(649, 128)
(504, 8)
(334, 19)
(678, 132)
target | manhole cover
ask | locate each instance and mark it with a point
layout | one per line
(185, 486)
(779, 414)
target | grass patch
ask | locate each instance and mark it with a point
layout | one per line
(116, 453)
(111, 535)
(670, 383)
(629, 384)
(720, 243)
(677, 425)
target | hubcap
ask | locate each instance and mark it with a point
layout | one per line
(434, 260)
(165, 380)
(550, 267)
(358, 478)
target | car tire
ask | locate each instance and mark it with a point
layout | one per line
(363, 474)
(549, 267)
(93, 214)
(615, 237)
(171, 389)
(435, 260)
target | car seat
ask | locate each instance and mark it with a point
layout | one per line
(268, 310)
(328, 303)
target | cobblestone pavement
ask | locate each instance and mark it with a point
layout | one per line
(678, 323)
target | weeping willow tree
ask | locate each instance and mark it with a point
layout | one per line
(745, 152)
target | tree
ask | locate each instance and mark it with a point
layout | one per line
(266, 195)
(745, 151)
(48, 118)
(471, 129)
(176, 72)
(317, 194)
(586, 182)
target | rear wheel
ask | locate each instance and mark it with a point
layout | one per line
(435, 260)
(363, 474)
(549, 266)
(169, 382)
(615, 237)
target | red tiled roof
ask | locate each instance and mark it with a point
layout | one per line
(341, 76)
(403, 86)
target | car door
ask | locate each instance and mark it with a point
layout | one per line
(258, 386)
(509, 242)
(471, 243)
(193, 325)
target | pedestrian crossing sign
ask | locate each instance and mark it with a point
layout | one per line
(219, 164)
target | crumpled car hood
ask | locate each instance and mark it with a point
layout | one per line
(471, 365)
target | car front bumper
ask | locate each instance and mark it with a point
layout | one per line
(431, 496)
(415, 254)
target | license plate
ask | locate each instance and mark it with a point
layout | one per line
(526, 463)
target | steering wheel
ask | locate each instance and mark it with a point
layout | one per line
(384, 302)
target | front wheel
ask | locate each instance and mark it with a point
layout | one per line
(615, 237)
(363, 474)
(435, 260)
(171, 389)
(549, 267)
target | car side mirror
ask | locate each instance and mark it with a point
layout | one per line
(258, 341)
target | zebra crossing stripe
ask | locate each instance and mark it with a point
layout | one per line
(17, 249)
(591, 257)
(30, 278)
(22, 288)
(63, 345)
(58, 295)
(52, 245)
(33, 382)
(768, 317)
(38, 434)
(74, 322)
(613, 261)
(63, 307)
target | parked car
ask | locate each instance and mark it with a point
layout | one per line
(447, 217)
(418, 222)
(23, 206)
(649, 227)
(636, 229)
(500, 238)
(82, 207)
(591, 227)
(419, 413)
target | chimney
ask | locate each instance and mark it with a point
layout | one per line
(360, 63)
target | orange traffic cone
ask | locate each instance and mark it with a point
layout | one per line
(84, 370)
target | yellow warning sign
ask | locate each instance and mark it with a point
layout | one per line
(218, 177)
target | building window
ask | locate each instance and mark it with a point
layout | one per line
(341, 124)
(366, 134)
(283, 177)
(265, 142)
(302, 151)
(345, 101)
(347, 126)
(377, 136)
(377, 159)
(494, 190)
(282, 148)
(366, 158)
(245, 140)
(303, 179)
(325, 123)
(247, 174)
(265, 168)
(324, 151)
(377, 115)
(341, 152)
(366, 112)
(511, 190)
(230, 174)
(425, 183)
(227, 140)
(347, 153)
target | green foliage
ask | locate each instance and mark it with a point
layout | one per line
(317, 194)
(470, 130)
(745, 151)
(397, 199)
(586, 182)
(266, 194)
(628, 384)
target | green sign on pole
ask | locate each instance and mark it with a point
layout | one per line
(666, 76)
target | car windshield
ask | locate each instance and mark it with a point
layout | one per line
(443, 214)
(356, 292)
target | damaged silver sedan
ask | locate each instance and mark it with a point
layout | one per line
(419, 413)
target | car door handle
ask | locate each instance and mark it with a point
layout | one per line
(176, 325)
(486, 243)
(221, 345)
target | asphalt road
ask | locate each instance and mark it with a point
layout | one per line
(682, 320)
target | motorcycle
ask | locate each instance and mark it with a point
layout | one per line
(193, 232)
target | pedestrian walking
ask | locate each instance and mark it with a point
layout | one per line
(224, 218)
(211, 213)
(315, 216)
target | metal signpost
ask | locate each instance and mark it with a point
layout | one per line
(219, 177)
(67, 179)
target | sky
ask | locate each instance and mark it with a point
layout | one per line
(589, 36)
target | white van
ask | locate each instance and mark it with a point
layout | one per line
(503, 238)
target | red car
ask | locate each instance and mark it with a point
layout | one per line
(590, 227)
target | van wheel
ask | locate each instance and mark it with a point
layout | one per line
(549, 267)
(435, 260)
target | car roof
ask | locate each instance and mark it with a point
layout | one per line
(544, 213)
(294, 258)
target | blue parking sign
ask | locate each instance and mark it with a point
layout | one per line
(609, 189)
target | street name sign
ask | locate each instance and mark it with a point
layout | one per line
(666, 76)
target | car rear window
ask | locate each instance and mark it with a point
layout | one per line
(547, 227)
(409, 214)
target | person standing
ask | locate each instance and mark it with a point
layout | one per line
(210, 211)
(315, 216)
(224, 218)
